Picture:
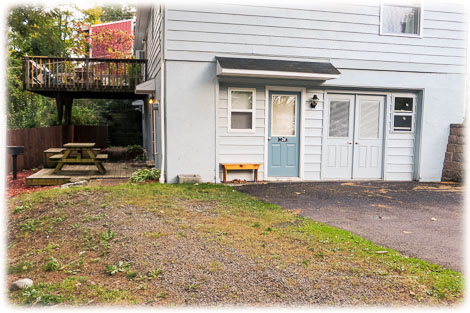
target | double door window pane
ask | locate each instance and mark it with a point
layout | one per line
(368, 120)
(339, 118)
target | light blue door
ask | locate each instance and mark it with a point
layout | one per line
(283, 134)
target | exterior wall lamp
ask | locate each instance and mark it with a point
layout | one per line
(314, 102)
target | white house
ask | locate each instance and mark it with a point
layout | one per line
(318, 91)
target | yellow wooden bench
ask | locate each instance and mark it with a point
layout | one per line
(102, 157)
(48, 163)
(51, 162)
(240, 167)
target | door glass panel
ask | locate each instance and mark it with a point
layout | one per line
(283, 121)
(339, 118)
(241, 100)
(241, 120)
(369, 123)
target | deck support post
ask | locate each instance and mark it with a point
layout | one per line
(61, 101)
(58, 102)
(68, 110)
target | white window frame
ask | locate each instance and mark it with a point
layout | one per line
(403, 113)
(420, 28)
(252, 111)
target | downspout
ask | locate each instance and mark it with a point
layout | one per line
(162, 98)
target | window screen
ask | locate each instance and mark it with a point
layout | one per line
(241, 120)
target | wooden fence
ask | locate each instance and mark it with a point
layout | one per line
(36, 140)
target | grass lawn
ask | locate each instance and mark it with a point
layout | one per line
(201, 245)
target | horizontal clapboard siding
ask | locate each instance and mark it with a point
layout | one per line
(399, 150)
(313, 125)
(347, 34)
(249, 147)
(154, 42)
(236, 147)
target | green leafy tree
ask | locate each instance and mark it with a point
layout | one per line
(53, 32)
(33, 31)
(112, 13)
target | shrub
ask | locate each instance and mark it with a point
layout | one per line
(143, 175)
(136, 152)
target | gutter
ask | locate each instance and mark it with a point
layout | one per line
(162, 99)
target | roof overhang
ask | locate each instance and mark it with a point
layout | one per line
(147, 87)
(269, 68)
(141, 24)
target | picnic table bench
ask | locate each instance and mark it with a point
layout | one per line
(79, 153)
(241, 167)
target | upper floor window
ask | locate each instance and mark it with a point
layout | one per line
(400, 20)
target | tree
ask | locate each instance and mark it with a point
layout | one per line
(112, 43)
(34, 31)
(112, 13)
(92, 15)
(38, 31)
(53, 32)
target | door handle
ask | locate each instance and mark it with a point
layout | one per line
(269, 138)
(349, 142)
(357, 142)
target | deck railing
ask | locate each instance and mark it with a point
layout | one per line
(82, 74)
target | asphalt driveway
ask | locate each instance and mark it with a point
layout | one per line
(423, 220)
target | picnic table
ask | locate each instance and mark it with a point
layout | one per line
(82, 154)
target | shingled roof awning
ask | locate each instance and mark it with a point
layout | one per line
(268, 68)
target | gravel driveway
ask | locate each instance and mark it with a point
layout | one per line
(423, 220)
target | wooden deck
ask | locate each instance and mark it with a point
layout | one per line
(83, 77)
(46, 177)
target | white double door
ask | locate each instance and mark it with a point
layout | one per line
(353, 137)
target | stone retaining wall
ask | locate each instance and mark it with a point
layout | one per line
(454, 161)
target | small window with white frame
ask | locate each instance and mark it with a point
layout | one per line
(403, 113)
(401, 20)
(241, 109)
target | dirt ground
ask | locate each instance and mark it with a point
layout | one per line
(200, 245)
(423, 220)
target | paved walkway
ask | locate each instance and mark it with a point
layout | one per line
(423, 220)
